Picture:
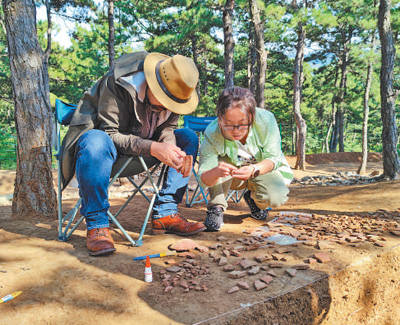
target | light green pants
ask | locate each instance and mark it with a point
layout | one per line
(268, 190)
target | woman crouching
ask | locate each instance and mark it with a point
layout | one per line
(242, 149)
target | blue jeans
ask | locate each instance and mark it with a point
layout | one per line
(95, 156)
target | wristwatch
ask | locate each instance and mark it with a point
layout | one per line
(256, 171)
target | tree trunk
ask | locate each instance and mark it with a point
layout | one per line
(33, 193)
(391, 163)
(49, 26)
(297, 88)
(363, 166)
(258, 26)
(342, 91)
(229, 43)
(251, 63)
(111, 34)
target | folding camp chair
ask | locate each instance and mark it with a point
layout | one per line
(63, 116)
(197, 124)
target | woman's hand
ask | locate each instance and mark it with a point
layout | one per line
(224, 169)
(243, 173)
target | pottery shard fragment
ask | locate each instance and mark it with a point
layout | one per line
(272, 273)
(228, 268)
(291, 272)
(187, 254)
(237, 274)
(221, 238)
(322, 257)
(395, 232)
(261, 258)
(234, 252)
(310, 260)
(173, 269)
(183, 245)
(243, 285)
(301, 266)
(379, 244)
(282, 250)
(275, 265)
(233, 289)
(246, 264)
(226, 253)
(184, 284)
(202, 249)
(222, 261)
(168, 289)
(259, 285)
(266, 279)
(254, 270)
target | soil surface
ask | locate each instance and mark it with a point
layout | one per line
(356, 228)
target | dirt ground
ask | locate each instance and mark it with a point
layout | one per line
(62, 284)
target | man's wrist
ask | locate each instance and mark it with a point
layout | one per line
(256, 171)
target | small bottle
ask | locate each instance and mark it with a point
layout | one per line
(148, 274)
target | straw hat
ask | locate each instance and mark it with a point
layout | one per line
(172, 80)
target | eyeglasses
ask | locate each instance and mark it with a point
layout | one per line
(239, 127)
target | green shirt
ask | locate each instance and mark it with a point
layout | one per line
(263, 140)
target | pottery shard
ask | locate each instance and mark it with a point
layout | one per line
(183, 245)
(187, 254)
(228, 268)
(246, 264)
(395, 232)
(222, 261)
(291, 272)
(243, 284)
(168, 289)
(272, 273)
(266, 279)
(259, 285)
(310, 260)
(202, 249)
(275, 265)
(233, 289)
(221, 238)
(226, 253)
(301, 266)
(379, 244)
(173, 269)
(282, 250)
(254, 270)
(261, 258)
(184, 284)
(235, 253)
(322, 257)
(237, 274)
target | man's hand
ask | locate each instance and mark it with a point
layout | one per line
(168, 154)
(243, 173)
(186, 166)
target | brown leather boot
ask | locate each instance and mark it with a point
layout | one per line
(176, 224)
(99, 242)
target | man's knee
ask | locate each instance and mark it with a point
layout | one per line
(96, 145)
(274, 199)
(187, 140)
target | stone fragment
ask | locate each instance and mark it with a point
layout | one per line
(309, 243)
(395, 232)
(173, 269)
(228, 268)
(233, 289)
(325, 245)
(272, 273)
(282, 250)
(261, 258)
(266, 279)
(243, 285)
(222, 261)
(221, 238)
(184, 284)
(239, 248)
(215, 246)
(254, 270)
(259, 285)
(321, 257)
(246, 264)
(183, 245)
(237, 274)
(264, 268)
(379, 244)
(291, 272)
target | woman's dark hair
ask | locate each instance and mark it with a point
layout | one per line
(237, 97)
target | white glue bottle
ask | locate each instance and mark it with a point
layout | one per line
(148, 274)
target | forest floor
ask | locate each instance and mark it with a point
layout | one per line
(355, 227)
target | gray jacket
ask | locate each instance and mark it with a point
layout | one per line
(111, 105)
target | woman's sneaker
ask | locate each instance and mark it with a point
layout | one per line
(256, 212)
(215, 218)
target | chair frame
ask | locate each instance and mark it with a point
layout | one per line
(65, 232)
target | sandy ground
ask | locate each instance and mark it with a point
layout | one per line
(62, 284)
